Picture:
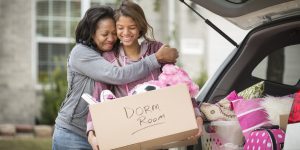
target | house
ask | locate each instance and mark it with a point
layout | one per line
(34, 32)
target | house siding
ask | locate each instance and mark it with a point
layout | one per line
(17, 93)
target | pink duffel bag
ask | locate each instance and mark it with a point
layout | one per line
(265, 138)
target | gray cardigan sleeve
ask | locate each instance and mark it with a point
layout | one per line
(88, 62)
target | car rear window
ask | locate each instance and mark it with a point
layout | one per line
(281, 66)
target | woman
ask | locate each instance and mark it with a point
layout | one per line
(95, 34)
(131, 25)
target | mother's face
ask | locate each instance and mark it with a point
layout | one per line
(105, 36)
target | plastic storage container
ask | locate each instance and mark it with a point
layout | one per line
(222, 135)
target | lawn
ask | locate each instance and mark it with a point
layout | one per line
(25, 144)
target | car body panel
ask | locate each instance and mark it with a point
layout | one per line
(274, 27)
(251, 13)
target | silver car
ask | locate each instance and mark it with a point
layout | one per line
(270, 52)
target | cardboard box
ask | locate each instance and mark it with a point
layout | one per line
(283, 120)
(145, 120)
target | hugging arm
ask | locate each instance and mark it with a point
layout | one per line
(91, 64)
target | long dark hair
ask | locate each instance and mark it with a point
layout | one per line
(87, 26)
(134, 11)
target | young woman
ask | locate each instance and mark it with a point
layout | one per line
(95, 34)
(131, 25)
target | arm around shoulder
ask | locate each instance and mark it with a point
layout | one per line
(90, 63)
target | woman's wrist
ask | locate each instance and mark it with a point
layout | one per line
(91, 133)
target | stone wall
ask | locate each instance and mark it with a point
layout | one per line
(17, 94)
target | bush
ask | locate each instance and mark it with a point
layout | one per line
(54, 93)
(202, 78)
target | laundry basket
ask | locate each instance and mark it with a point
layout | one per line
(222, 135)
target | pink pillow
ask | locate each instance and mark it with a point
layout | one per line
(250, 114)
(233, 96)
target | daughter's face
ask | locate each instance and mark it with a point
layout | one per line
(127, 31)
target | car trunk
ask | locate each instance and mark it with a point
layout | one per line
(270, 53)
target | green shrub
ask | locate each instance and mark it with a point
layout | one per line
(202, 78)
(54, 93)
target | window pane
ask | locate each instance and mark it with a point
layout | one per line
(292, 61)
(93, 4)
(58, 50)
(59, 8)
(43, 73)
(103, 2)
(73, 28)
(42, 28)
(75, 9)
(42, 8)
(43, 53)
(282, 66)
(59, 28)
(69, 48)
(51, 55)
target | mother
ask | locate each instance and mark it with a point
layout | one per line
(95, 34)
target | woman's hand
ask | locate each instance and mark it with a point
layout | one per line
(199, 121)
(166, 54)
(92, 140)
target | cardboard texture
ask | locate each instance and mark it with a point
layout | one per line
(145, 121)
(283, 120)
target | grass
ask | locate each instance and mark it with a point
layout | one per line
(25, 144)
